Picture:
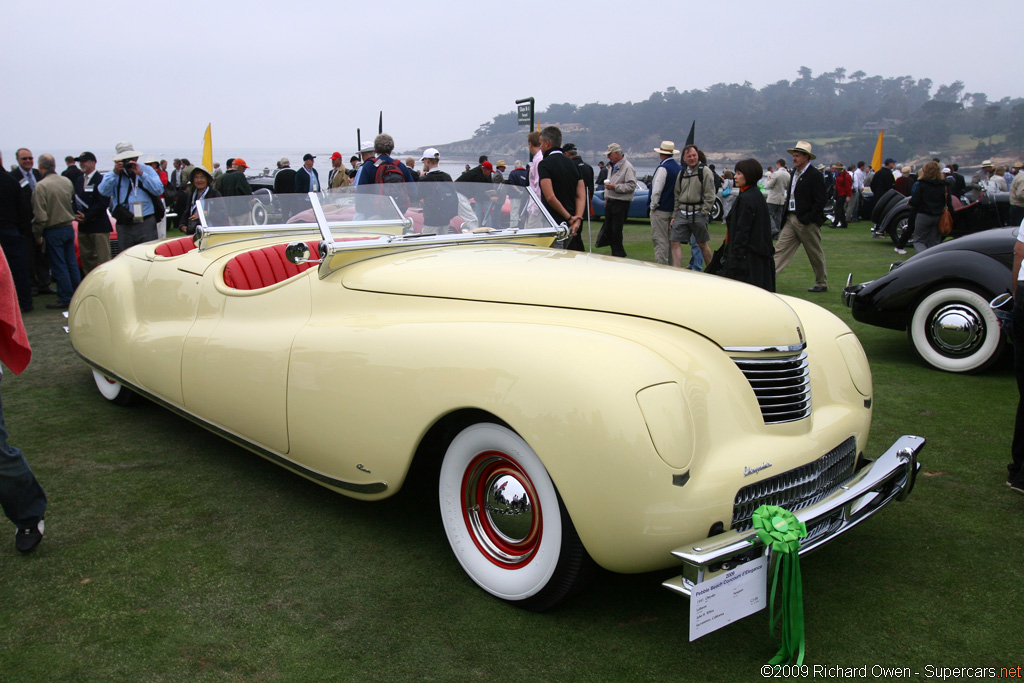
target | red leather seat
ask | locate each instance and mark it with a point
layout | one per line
(177, 247)
(264, 267)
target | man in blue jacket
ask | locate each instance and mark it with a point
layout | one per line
(306, 178)
(663, 200)
(134, 187)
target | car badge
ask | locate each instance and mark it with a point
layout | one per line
(747, 471)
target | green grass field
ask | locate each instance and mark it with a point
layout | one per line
(171, 555)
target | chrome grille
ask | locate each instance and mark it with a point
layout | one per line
(799, 487)
(782, 385)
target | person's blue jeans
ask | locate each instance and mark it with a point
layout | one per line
(696, 255)
(22, 498)
(60, 250)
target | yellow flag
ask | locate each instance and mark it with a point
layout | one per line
(876, 160)
(208, 150)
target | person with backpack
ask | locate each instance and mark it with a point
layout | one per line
(393, 177)
(439, 200)
(694, 194)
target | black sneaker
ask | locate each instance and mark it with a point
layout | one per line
(27, 538)
(1019, 488)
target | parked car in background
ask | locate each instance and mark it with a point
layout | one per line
(941, 297)
(345, 341)
(891, 213)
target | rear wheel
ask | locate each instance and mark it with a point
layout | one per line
(506, 522)
(955, 330)
(114, 391)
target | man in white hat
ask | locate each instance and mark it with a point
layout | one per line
(618, 193)
(805, 212)
(663, 199)
(134, 189)
(440, 202)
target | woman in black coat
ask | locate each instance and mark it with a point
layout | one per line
(750, 254)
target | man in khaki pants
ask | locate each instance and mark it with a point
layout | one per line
(804, 214)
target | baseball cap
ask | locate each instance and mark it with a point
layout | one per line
(240, 162)
(487, 165)
(85, 156)
(307, 157)
(336, 155)
(430, 153)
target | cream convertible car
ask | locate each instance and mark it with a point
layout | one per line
(578, 407)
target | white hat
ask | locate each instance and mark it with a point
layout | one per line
(804, 148)
(151, 160)
(430, 153)
(667, 147)
(368, 147)
(124, 150)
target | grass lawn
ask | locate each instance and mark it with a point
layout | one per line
(171, 555)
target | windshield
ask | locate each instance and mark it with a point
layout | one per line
(427, 208)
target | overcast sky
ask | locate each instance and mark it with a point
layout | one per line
(306, 74)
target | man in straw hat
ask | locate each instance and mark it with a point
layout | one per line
(804, 214)
(133, 189)
(662, 201)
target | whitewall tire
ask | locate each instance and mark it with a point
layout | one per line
(955, 330)
(505, 521)
(112, 390)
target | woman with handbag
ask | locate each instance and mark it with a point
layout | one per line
(929, 198)
(749, 255)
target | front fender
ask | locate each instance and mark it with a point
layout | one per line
(890, 300)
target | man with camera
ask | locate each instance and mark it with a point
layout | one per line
(134, 190)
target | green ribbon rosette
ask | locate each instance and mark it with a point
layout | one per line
(781, 531)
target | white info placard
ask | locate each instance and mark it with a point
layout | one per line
(728, 597)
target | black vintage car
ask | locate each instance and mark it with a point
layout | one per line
(941, 297)
(891, 213)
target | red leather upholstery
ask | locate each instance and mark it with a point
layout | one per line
(177, 247)
(264, 267)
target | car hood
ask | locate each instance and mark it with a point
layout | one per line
(730, 313)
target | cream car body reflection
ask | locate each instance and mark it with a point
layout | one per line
(578, 407)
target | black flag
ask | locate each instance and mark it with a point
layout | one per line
(380, 122)
(689, 138)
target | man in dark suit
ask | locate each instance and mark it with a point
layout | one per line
(38, 266)
(91, 214)
(803, 215)
(72, 172)
(15, 213)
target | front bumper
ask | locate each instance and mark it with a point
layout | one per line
(889, 478)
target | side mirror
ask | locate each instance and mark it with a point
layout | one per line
(297, 252)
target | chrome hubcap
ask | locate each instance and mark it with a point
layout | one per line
(502, 510)
(957, 329)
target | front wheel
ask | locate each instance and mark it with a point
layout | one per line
(955, 330)
(114, 391)
(506, 522)
(718, 210)
(897, 227)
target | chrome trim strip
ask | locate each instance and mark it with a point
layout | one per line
(375, 487)
(765, 349)
(889, 478)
